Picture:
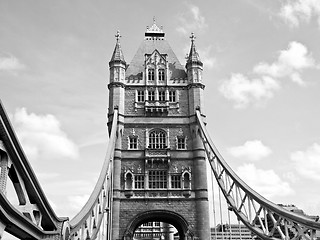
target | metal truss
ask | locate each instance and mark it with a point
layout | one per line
(264, 218)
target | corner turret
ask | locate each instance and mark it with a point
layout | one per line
(194, 68)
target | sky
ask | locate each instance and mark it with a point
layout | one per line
(261, 71)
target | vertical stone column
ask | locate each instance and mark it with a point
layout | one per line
(116, 186)
(200, 187)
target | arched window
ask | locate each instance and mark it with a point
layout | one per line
(157, 139)
(128, 178)
(186, 181)
(161, 74)
(151, 74)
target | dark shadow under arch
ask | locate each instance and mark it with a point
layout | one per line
(170, 217)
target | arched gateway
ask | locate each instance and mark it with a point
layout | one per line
(159, 162)
(170, 217)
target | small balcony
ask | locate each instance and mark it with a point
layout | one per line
(156, 107)
(157, 156)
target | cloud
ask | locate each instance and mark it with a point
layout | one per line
(290, 63)
(266, 182)
(191, 20)
(307, 162)
(207, 60)
(251, 150)
(298, 11)
(41, 136)
(243, 91)
(78, 201)
(10, 63)
(265, 78)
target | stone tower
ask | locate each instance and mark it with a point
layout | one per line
(159, 162)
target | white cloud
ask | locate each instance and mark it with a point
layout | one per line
(251, 150)
(78, 201)
(297, 11)
(266, 182)
(243, 91)
(191, 20)
(207, 60)
(290, 63)
(307, 163)
(10, 63)
(41, 136)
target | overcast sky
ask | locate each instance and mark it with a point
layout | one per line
(261, 71)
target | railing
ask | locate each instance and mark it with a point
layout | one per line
(262, 217)
(94, 220)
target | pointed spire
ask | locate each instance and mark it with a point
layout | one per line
(117, 53)
(193, 55)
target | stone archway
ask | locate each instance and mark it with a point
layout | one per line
(170, 217)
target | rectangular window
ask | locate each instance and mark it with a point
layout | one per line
(162, 96)
(151, 96)
(140, 96)
(133, 142)
(181, 143)
(158, 179)
(150, 74)
(175, 181)
(161, 74)
(172, 96)
(139, 181)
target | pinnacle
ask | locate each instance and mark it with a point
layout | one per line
(117, 53)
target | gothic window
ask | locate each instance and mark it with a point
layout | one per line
(158, 179)
(162, 96)
(139, 181)
(151, 74)
(128, 181)
(186, 181)
(151, 95)
(133, 142)
(181, 142)
(140, 96)
(172, 96)
(157, 139)
(161, 74)
(175, 181)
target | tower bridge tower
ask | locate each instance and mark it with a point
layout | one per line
(159, 162)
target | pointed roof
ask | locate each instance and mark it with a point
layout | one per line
(154, 40)
(117, 53)
(193, 55)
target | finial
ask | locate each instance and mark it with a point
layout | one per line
(154, 20)
(192, 37)
(118, 36)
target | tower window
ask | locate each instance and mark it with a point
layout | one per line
(157, 139)
(139, 181)
(175, 181)
(162, 96)
(161, 74)
(151, 96)
(157, 179)
(140, 96)
(150, 74)
(181, 143)
(133, 142)
(172, 96)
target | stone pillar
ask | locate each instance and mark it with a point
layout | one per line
(200, 187)
(116, 186)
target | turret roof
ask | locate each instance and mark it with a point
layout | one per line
(193, 55)
(117, 53)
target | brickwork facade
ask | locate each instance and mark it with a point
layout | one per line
(159, 162)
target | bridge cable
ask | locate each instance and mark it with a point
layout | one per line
(213, 205)
(221, 221)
